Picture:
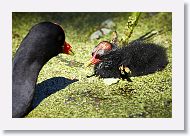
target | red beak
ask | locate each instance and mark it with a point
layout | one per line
(93, 60)
(67, 49)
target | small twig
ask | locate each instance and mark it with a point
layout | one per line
(90, 75)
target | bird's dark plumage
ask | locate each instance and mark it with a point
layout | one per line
(141, 58)
(44, 41)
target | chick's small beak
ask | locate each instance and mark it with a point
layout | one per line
(87, 64)
(92, 61)
(67, 49)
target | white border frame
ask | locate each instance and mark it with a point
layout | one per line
(174, 123)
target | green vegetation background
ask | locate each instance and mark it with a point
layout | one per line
(146, 97)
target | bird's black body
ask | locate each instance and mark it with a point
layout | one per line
(44, 41)
(140, 57)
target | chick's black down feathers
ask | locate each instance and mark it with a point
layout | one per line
(141, 58)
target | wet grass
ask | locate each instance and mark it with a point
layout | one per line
(146, 97)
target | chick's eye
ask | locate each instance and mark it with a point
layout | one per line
(97, 56)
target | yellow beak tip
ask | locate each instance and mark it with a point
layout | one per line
(88, 64)
(71, 53)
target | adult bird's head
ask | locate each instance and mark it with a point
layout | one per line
(48, 34)
(101, 49)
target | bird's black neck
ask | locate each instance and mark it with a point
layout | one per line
(24, 77)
